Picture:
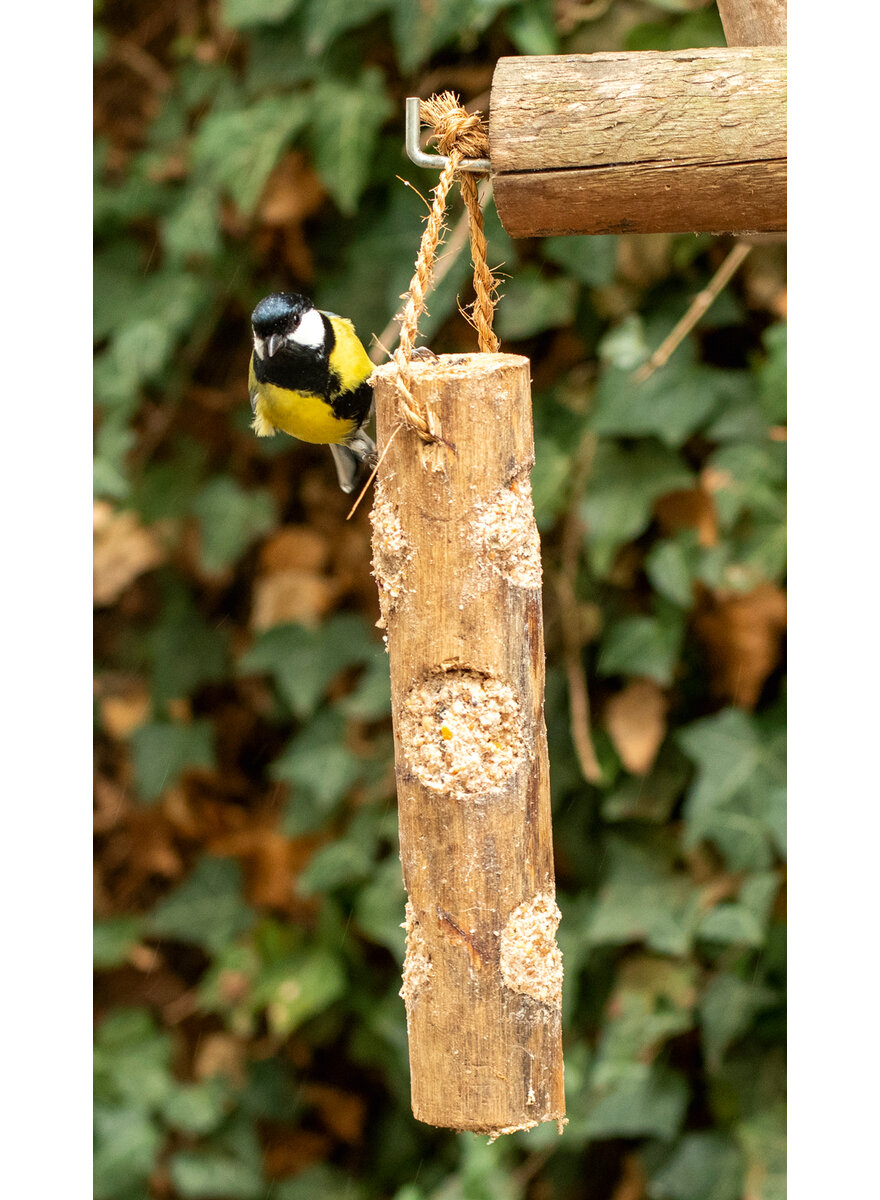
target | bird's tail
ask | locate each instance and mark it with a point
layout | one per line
(348, 459)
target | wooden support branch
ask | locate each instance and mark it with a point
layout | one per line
(754, 22)
(677, 141)
(457, 560)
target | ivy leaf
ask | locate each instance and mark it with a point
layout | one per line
(650, 1102)
(532, 304)
(380, 906)
(321, 768)
(304, 662)
(727, 1009)
(324, 1181)
(192, 229)
(703, 1166)
(113, 441)
(731, 924)
(419, 29)
(198, 1107)
(371, 698)
(643, 900)
(671, 404)
(344, 130)
(643, 645)
(343, 862)
(773, 374)
(763, 1137)
(623, 487)
(162, 750)
(652, 1002)
(113, 939)
(295, 989)
(207, 908)
(239, 14)
(672, 566)
(185, 651)
(231, 519)
(737, 796)
(650, 797)
(206, 1174)
(747, 477)
(590, 260)
(532, 29)
(326, 19)
(235, 151)
(132, 1061)
(127, 1141)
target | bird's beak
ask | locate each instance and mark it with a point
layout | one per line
(274, 343)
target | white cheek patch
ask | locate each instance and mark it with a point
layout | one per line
(310, 331)
(260, 346)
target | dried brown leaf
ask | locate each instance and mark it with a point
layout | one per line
(743, 640)
(123, 550)
(342, 1112)
(690, 508)
(291, 596)
(636, 722)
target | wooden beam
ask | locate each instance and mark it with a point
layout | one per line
(677, 141)
(754, 22)
(457, 559)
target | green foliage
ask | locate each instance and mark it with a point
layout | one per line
(230, 520)
(161, 750)
(250, 1038)
(207, 908)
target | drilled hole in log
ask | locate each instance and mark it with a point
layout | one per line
(507, 536)
(391, 553)
(417, 966)
(531, 962)
(461, 732)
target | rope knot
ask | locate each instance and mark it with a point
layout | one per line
(460, 134)
(455, 129)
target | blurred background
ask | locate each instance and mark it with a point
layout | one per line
(250, 1041)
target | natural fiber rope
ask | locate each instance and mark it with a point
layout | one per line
(459, 135)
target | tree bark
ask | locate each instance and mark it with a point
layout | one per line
(678, 141)
(457, 560)
(754, 22)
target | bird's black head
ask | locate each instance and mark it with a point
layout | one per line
(287, 323)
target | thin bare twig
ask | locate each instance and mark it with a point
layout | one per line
(572, 639)
(375, 470)
(701, 303)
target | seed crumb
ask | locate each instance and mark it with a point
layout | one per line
(391, 552)
(417, 965)
(531, 962)
(462, 732)
(507, 535)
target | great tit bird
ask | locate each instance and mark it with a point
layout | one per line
(308, 376)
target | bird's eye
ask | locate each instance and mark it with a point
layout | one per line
(296, 320)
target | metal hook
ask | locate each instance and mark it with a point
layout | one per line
(480, 166)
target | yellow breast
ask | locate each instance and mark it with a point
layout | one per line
(301, 414)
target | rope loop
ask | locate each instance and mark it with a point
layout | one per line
(459, 134)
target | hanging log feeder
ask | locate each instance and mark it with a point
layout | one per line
(457, 560)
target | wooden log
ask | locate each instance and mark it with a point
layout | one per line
(754, 22)
(457, 559)
(677, 141)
